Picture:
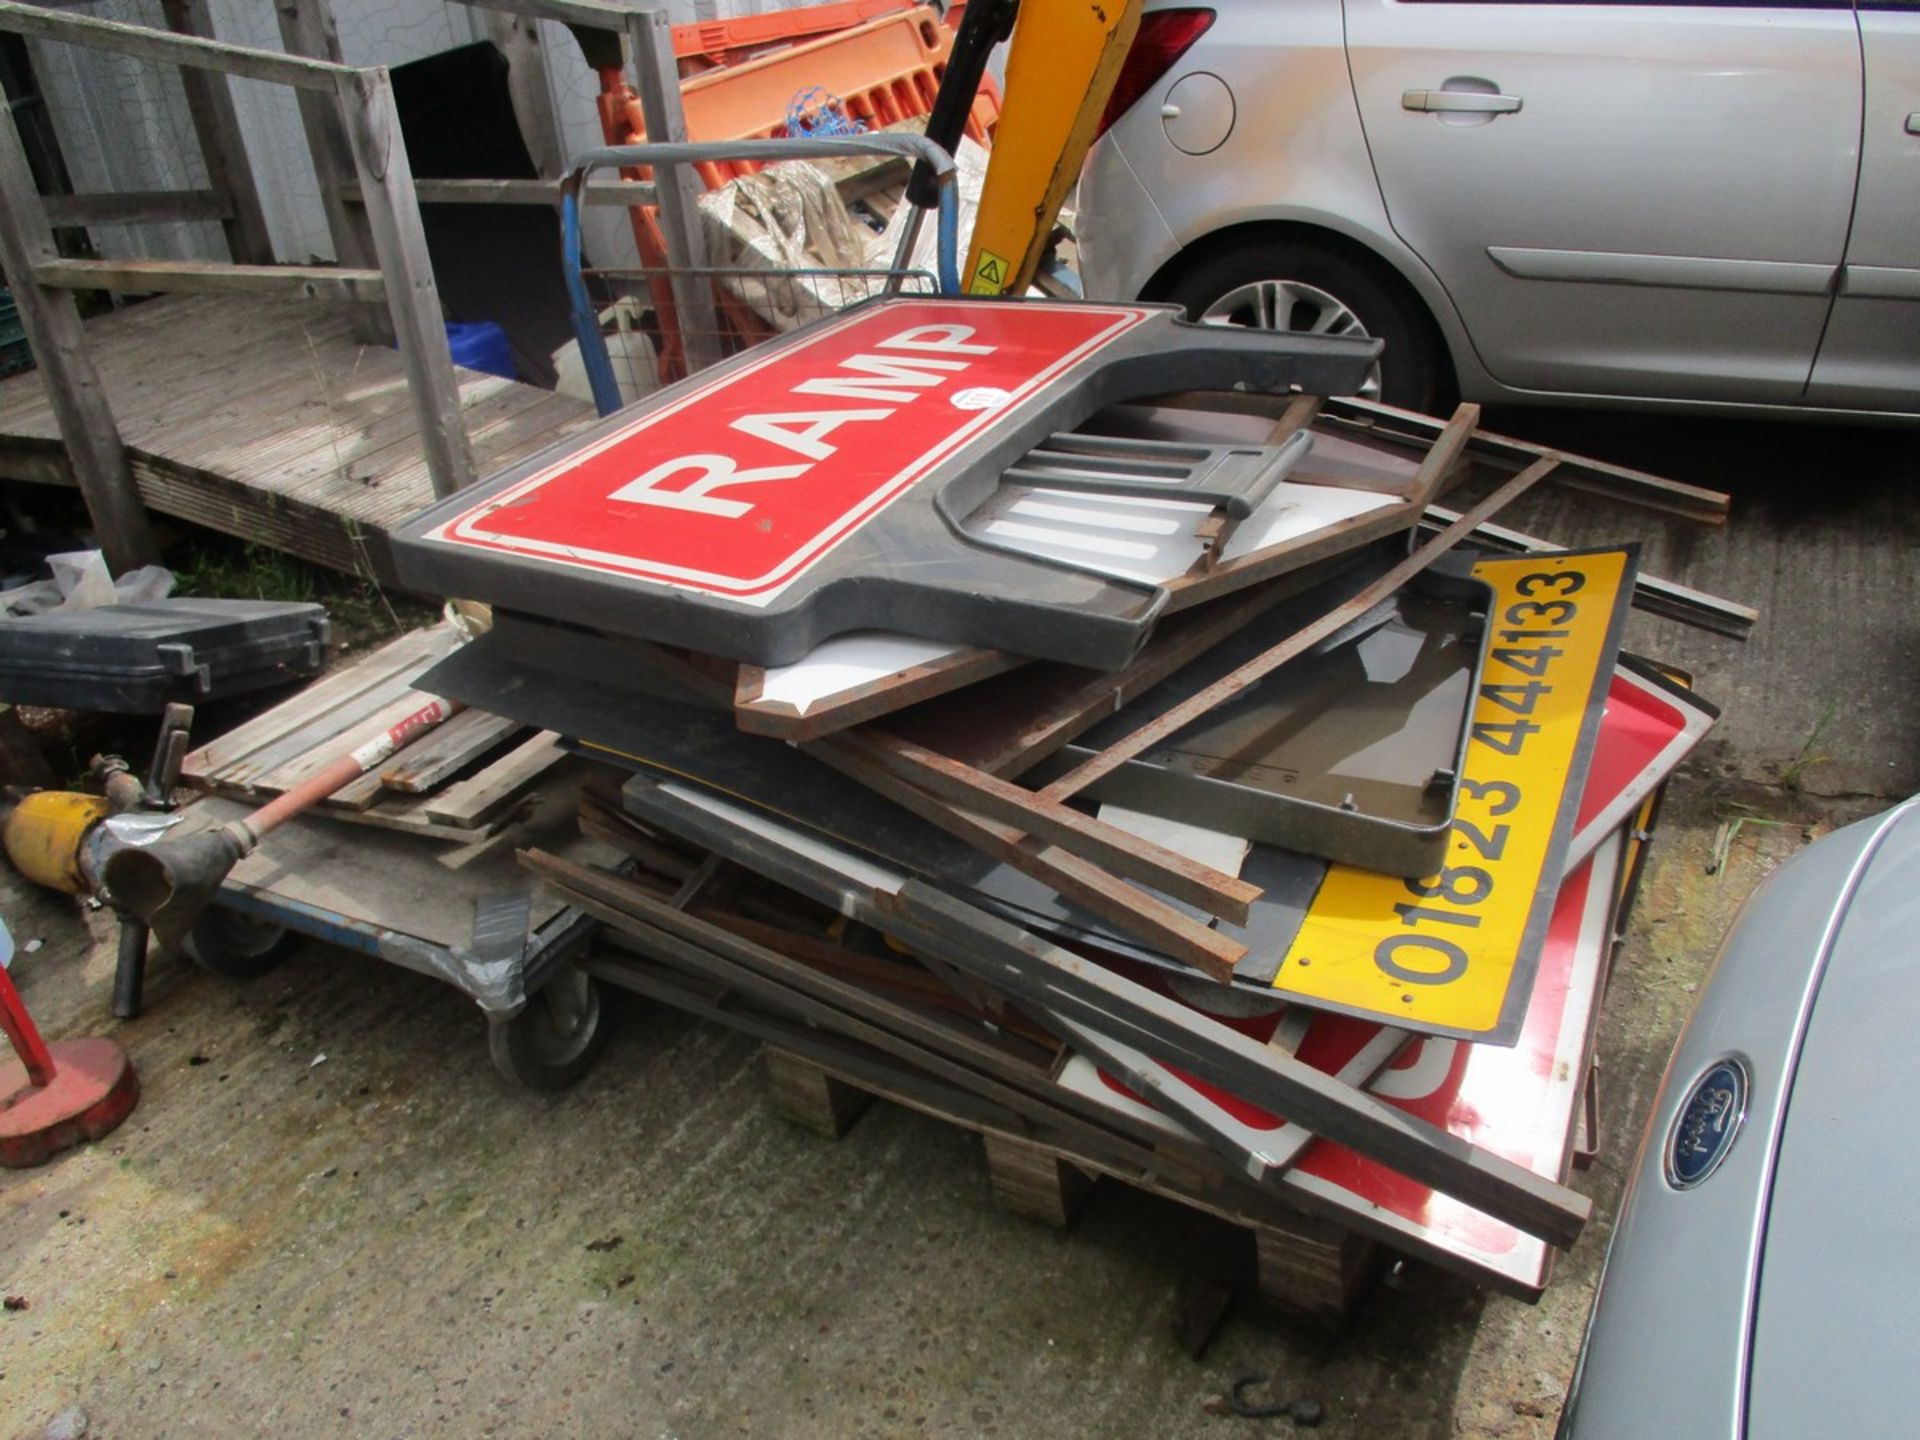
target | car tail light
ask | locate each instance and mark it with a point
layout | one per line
(1164, 36)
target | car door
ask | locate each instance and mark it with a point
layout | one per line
(1870, 357)
(1647, 200)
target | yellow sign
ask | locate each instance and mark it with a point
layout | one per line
(989, 276)
(1441, 953)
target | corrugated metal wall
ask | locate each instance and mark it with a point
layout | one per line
(123, 123)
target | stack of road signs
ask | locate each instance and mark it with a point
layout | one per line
(1073, 704)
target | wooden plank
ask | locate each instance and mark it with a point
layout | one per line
(1436, 470)
(477, 798)
(410, 653)
(144, 43)
(979, 793)
(58, 340)
(445, 749)
(1153, 1160)
(135, 207)
(216, 125)
(1174, 932)
(805, 1095)
(962, 666)
(1225, 577)
(1651, 593)
(1236, 682)
(35, 464)
(758, 715)
(1313, 1269)
(364, 726)
(1638, 487)
(529, 90)
(965, 1056)
(1006, 727)
(208, 277)
(326, 537)
(307, 28)
(393, 216)
(407, 819)
(1505, 452)
(1058, 981)
(1033, 1181)
(341, 447)
(593, 14)
(656, 77)
(379, 439)
(624, 193)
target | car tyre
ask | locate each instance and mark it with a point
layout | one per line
(1315, 287)
(237, 946)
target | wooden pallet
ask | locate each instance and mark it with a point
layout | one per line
(1307, 1268)
(459, 782)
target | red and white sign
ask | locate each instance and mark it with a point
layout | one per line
(1517, 1102)
(1648, 729)
(742, 484)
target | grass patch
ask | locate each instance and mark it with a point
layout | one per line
(1729, 830)
(1808, 756)
(217, 568)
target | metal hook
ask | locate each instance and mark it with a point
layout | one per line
(1303, 1412)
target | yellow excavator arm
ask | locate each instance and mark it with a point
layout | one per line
(1062, 61)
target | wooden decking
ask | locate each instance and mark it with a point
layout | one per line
(267, 420)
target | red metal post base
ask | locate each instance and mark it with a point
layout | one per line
(93, 1089)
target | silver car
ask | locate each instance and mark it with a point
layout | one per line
(1761, 1280)
(1687, 205)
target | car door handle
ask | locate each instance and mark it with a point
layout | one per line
(1460, 102)
(1913, 123)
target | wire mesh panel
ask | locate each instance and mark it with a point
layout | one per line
(751, 303)
(639, 328)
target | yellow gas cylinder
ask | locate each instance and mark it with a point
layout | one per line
(43, 835)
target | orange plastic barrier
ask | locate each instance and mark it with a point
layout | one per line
(726, 42)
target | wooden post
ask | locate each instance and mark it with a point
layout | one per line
(518, 38)
(805, 1095)
(54, 330)
(1033, 1181)
(217, 127)
(307, 28)
(372, 124)
(656, 79)
(1313, 1268)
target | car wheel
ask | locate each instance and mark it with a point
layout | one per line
(1311, 288)
(235, 945)
(557, 1037)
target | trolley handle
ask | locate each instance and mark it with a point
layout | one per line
(912, 147)
(593, 346)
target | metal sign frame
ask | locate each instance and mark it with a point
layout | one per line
(820, 483)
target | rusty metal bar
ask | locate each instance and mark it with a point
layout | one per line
(1257, 669)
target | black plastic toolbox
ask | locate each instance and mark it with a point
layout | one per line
(135, 659)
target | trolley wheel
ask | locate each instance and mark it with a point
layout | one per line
(235, 945)
(557, 1037)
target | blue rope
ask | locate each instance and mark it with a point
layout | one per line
(815, 113)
